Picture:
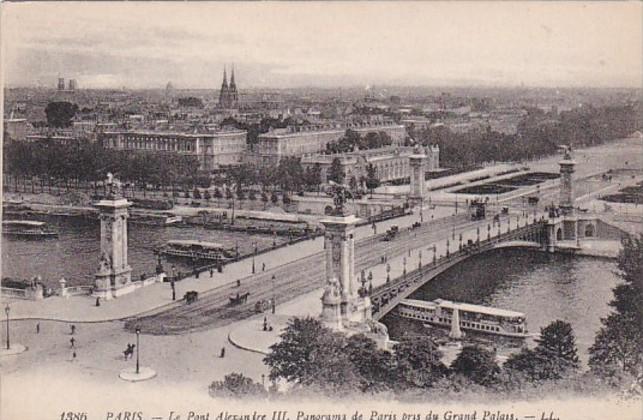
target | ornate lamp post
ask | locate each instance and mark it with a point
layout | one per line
(478, 234)
(370, 282)
(388, 271)
(172, 282)
(435, 250)
(274, 302)
(448, 246)
(404, 270)
(7, 309)
(138, 333)
(254, 253)
(460, 243)
(488, 232)
(419, 259)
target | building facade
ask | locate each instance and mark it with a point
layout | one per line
(297, 141)
(390, 163)
(213, 149)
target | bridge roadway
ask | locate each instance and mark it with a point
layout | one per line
(385, 297)
(292, 279)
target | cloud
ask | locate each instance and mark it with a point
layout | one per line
(342, 43)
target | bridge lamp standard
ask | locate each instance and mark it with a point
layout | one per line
(138, 347)
(254, 255)
(419, 259)
(435, 250)
(404, 263)
(7, 309)
(274, 302)
(388, 272)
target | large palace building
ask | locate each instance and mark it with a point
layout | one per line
(390, 163)
(214, 149)
(228, 95)
(298, 141)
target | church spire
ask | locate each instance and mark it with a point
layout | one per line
(225, 77)
(232, 77)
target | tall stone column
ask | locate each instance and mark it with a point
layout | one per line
(417, 163)
(340, 258)
(566, 200)
(114, 272)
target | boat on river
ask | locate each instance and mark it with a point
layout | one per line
(164, 219)
(27, 229)
(197, 250)
(475, 318)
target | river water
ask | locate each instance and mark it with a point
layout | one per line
(75, 253)
(545, 287)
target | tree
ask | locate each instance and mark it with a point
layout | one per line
(60, 114)
(375, 367)
(371, 178)
(309, 354)
(418, 362)
(236, 385)
(477, 364)
(336, 172)
(554, 357)
(557, 344)
(617, 348)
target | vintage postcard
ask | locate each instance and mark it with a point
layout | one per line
(321, 210)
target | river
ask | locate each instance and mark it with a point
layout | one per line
(75, 253)
(545, 287)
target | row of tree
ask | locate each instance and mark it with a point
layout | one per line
(88, 163)
(538, 135)
(352, 140)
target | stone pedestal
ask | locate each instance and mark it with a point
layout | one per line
(340, 257)
(331, 315)
(114, 273)
(566, 198)
(417, 162)
(342, 289)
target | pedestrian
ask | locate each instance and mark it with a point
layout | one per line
(98, 301)
(222, 352)
(73, 356)
(73, 329)
(238, 283)
(211, 271)
(72, 341)
(263, 266)
(38, 328)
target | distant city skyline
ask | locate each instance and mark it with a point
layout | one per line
(287, 45)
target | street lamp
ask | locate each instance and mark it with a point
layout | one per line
(274, 303)
(172, 282)
(7, 309)
(419, 259)
(138, 333)
(404, 263)
(253, 256)
(388, 271)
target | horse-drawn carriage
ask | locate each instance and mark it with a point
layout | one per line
(191, 296)
(239, 298)
(263, 305)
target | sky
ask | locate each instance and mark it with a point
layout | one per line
(144, 45)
